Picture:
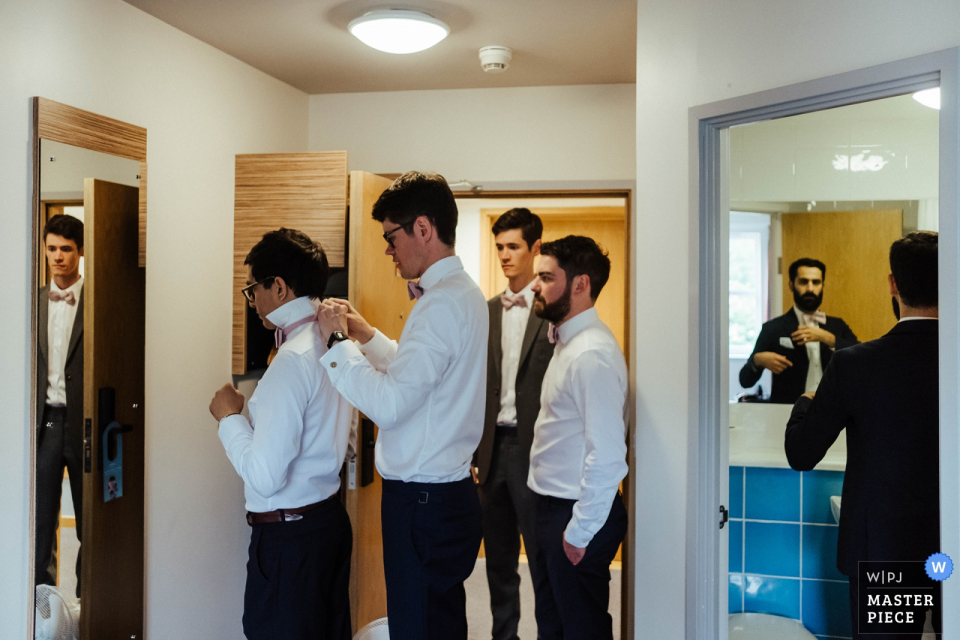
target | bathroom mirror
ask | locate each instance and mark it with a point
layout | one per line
(88, 428)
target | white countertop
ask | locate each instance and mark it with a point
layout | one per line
(756, 438)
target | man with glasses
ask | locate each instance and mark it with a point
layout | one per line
(426, 393)
(289, 454)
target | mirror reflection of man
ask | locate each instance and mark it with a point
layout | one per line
(59, 390)
(797, 346)
(518, 353)
(885, 393)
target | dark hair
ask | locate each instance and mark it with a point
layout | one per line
(577, 256)
(913, 262)
(66, 226)
(521, 218)
(416, 194)
(807, 262)
(293, 256)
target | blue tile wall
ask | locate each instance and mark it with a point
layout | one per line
(783, 548)
(772, 494)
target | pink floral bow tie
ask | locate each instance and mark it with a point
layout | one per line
(414, 290)
(511, 300)
(64, 296)
(819, 316)
(281, 333)
(553, 334)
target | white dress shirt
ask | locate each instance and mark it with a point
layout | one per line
(815, 369)
(427, 393)
(579, 447)
(60, 319)
(290, 452)
(513, 324)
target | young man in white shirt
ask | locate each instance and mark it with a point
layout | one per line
(426, 396)
(59, 390)
(579, 451)
(518, 353)
(289, 454)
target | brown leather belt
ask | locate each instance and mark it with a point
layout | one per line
(285, 515)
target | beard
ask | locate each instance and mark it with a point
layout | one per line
(808, 302)
(553, 311)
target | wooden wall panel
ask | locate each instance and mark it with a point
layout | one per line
(305, 191)
(69, 125)
(855, 247)
(142, 257)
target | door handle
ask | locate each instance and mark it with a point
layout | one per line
(367, 446)
(724, 516)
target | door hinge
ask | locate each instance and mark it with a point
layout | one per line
(724, 516)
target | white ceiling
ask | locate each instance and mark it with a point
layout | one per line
(306, 44)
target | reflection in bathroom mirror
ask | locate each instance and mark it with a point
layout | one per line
(816, 201)
(59, 468)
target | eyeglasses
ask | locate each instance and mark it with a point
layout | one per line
(248, 292)
(388, 236)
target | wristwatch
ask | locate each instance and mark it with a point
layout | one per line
(336, 336)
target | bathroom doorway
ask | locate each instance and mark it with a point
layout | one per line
(721, 575)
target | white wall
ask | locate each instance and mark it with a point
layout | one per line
(200, 108)
(690, 54)
(499, 135)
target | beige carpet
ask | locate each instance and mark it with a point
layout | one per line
(480, 622)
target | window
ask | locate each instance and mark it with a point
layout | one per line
(749, 241)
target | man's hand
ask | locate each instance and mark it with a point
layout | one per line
(356, 327)
(331, 317)
(803, 335)
(226, 401)
(772, 361)
(475, 473)
(574, 554)
(810, 394)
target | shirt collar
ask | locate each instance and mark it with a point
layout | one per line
(526, 292)
(915, 318)
(578, 323)
(287, 314)
(75, 287)
(438, 270)
(800, 313)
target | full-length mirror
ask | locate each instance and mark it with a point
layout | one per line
(817, 201)
(88, 455)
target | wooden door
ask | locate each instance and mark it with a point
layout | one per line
(380, 295)
(855, 247)
(113, 291)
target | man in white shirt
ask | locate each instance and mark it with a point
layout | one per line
(426, 396)
(59, 390)
(579, 451)
(289, 454)
(518, 353)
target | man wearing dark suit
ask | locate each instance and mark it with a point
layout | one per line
(797, 346)
(885, 393)
(59, 389)
(518, 353)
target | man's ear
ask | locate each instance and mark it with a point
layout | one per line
(425, 227)
(581, 284)
(535, 249)
(893, 286)
(80, 252)
(283, 291)
(790, 284)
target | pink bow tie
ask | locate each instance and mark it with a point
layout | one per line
(819, 316)
(553, 334)
(281, 333)
(414, 290)
(65, 296)
(509, 301)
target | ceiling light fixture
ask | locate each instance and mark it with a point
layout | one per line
(928, 97)
(398, 30)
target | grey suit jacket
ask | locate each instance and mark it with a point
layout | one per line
(73, 369)
(535, 354)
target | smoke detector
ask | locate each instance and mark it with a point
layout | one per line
(495, 59)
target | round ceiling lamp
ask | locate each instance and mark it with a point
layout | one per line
(928, 97)
(398, 30)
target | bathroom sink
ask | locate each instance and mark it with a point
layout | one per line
(835, 507)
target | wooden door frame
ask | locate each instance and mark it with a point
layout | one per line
(76, 127)
(624, 190)
(708, 440)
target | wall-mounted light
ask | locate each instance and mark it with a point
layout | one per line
(398, 30)
(928, 97)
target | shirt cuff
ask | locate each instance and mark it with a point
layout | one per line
(337, 356)
(232, 426)
(577, 536)
(379, 350)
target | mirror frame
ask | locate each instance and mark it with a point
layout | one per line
(68, 125)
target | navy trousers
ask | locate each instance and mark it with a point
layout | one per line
(298, 577)
(575, 607)
(431, 537)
